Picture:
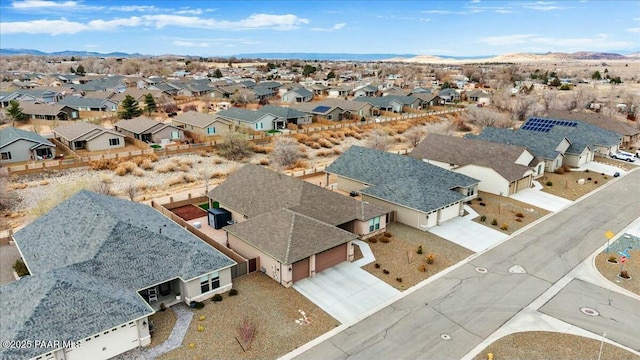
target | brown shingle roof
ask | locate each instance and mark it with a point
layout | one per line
(288, 236)
(463, 151)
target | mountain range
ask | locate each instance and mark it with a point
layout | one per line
(413, 58)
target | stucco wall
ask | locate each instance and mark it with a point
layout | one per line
(111, 343)
(269, 264)
(403, 215)
(349, 185)
(20, 151)
(101, 142)
(490, 180)
(166, 134)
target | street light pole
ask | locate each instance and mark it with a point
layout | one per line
(601, 344)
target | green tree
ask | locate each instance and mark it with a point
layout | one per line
(596, 75)
(331, 75)
(446, 85)
(308, 70)
(130, 108)
(80, 70)
(15, 111)
(616, 80)
(150, 104)
(555, 82)
(217, 74)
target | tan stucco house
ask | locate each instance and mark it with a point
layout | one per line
(148, 130)
(99, 267)
(87, 136)
(20, 145)
(204, 124)
(294, 228)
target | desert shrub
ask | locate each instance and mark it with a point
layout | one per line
(146, 164)
(190, 178)
(385, 240)
(176, 180)
(20, 268)
(170, 108)
(596, 182)
(259, 149)
(125, 168)
(494, 222)
(430, 259)
(298, 164)
(504, 227)
(387, 234)
(422, 268)
(218, 175)
(613, 259)
(314, 145)
(549, 183)
(519, 214)
(479, 199)
(264, 162)
(419, 249)
(216, 298)
(377, 266)
(218, 161)
(373, 239)
(399, 279)
(233, 292)
(190, 107)
(605, 177)
(247, 333)
(167, 167)
(324, 153)
(518, 220)
(199, 305)
(106, 178)
(559, 171)
(483, 218)
(138, 172)
(482, 204)
(337, 152)
(385, 271)
(588, 179)
(235, 146)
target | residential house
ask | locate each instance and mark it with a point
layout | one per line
(87, 136)
(42, 95)
(449, 95)
(53, 111)
(428, 100)
(297, 95)
(293, 228)
(195, 90)
(479, 97)
(99, 267)
(419, 90)
(337, 109)
(160, 97)
(318, 89)
(627, 129)
(393, 103)
(204, 124)
(393, 91)
(89, 103)
(287, 115)
(20, 145)
(418, 194)
(149, 130)
(341, 91)
(255, 120)
(273, 85)
(262, 93)
(366, 91)
(502, 169)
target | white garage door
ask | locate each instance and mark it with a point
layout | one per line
(107, 344)
(449, 212)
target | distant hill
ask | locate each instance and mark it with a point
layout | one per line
(322, 56)
(8, 52)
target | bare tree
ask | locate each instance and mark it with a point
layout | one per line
(378, 139)
(414, 135)
(234, 146)
(9, 199)
(100, 187)
(132, 191)
(286, 151)
(243, 97)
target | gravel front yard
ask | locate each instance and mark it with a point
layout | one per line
(566, 185)
(631, 265)
(399, 256)
(271, 307)
(535, 345)
(504, 210)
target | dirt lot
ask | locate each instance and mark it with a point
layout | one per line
(271, 307)
(504, 211)
(189, 212)
(399, 256)
(566, 185)
(534, 345)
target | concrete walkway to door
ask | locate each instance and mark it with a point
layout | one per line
(346, 292)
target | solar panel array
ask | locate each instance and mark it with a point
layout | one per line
(545, 125)
(321, 108)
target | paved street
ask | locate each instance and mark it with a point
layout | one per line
(450, 316)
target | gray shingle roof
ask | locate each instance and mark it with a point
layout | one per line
(11, 134)
(461, 151)
(401, 179)
(288, 236)
(244, 115)
(82, 130)
(384, 101)
(138, 125)
(77, 101)
(195, 118)
(282, 112)
(262, 91)
(31, 108)
(88, 258)
(540, 146)
(300, 91)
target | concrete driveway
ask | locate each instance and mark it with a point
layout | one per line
(601, 168)
(541, 199)
(346, 292)
(464, 232)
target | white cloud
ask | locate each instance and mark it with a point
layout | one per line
(424, 19)
(64, 26)
(543, 6)
(339, 26)
(33, 4)
(190, 44)
(506, 39)
(333, 28)
(634, 30)
(132, 8)
(189, 12)
(475, 1)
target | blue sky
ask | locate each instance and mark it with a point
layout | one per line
(223, 28)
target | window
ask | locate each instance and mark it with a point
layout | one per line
(471, 191)
(175, 134)
(5, 155)
(114, 142)
(329, 117)
(211, 130)
(204, 284)
(259, 126)
(215, 280)
(374, 224)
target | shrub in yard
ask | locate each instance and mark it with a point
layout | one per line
(596, 182)
(483, 218)
(419, 249)
(200, 328)
(264, 162)
(559, 171)
(483, 204)
(373, 239)
(388, 234)
(399, 279)
(624, 274)
(216, 298)
(422, 268)
(385, 240)
(430, 259)
(504, 227)
(479, 199)
(549, 183)
(519, 214)
(588, 179)
(199, 305)
(494, 222)
(233, 292)
(605, 177)
(518, 220)
(385, 271)
(20, 268)
(246, 333)
(202, 318)
(377, 266)
(612, 259)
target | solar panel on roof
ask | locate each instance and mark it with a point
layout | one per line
(321, 108)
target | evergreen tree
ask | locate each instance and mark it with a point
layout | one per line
(596, 75)
(80, 70)
(217, 74)
(150, 104)
(130, 108)
(15, 111)
(331, 75)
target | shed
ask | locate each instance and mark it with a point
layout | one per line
(218, 218)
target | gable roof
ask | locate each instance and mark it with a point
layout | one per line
(254, 190)
(540, 146)
(198, 119)
(10, 134)
(300, 91)
(30, 108)
(385, 101)
(401, 179)
(82, 131)
(244, 115)
(77, 101)
(288, 236)
(599, 120)
(88, 258)
(140, 124)
(282, 112)
(461, 151)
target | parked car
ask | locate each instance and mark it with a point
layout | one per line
(624, 156)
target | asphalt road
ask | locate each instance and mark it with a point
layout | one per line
(450, 316)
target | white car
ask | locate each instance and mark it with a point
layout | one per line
(624, 156)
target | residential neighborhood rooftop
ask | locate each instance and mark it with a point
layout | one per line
(11, 134)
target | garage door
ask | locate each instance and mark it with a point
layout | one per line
(523, 184)
(300, 270)
(449, 212)
(331, 257)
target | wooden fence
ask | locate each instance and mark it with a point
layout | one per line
(242, 266)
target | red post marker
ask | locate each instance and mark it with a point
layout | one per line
(623, 259)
